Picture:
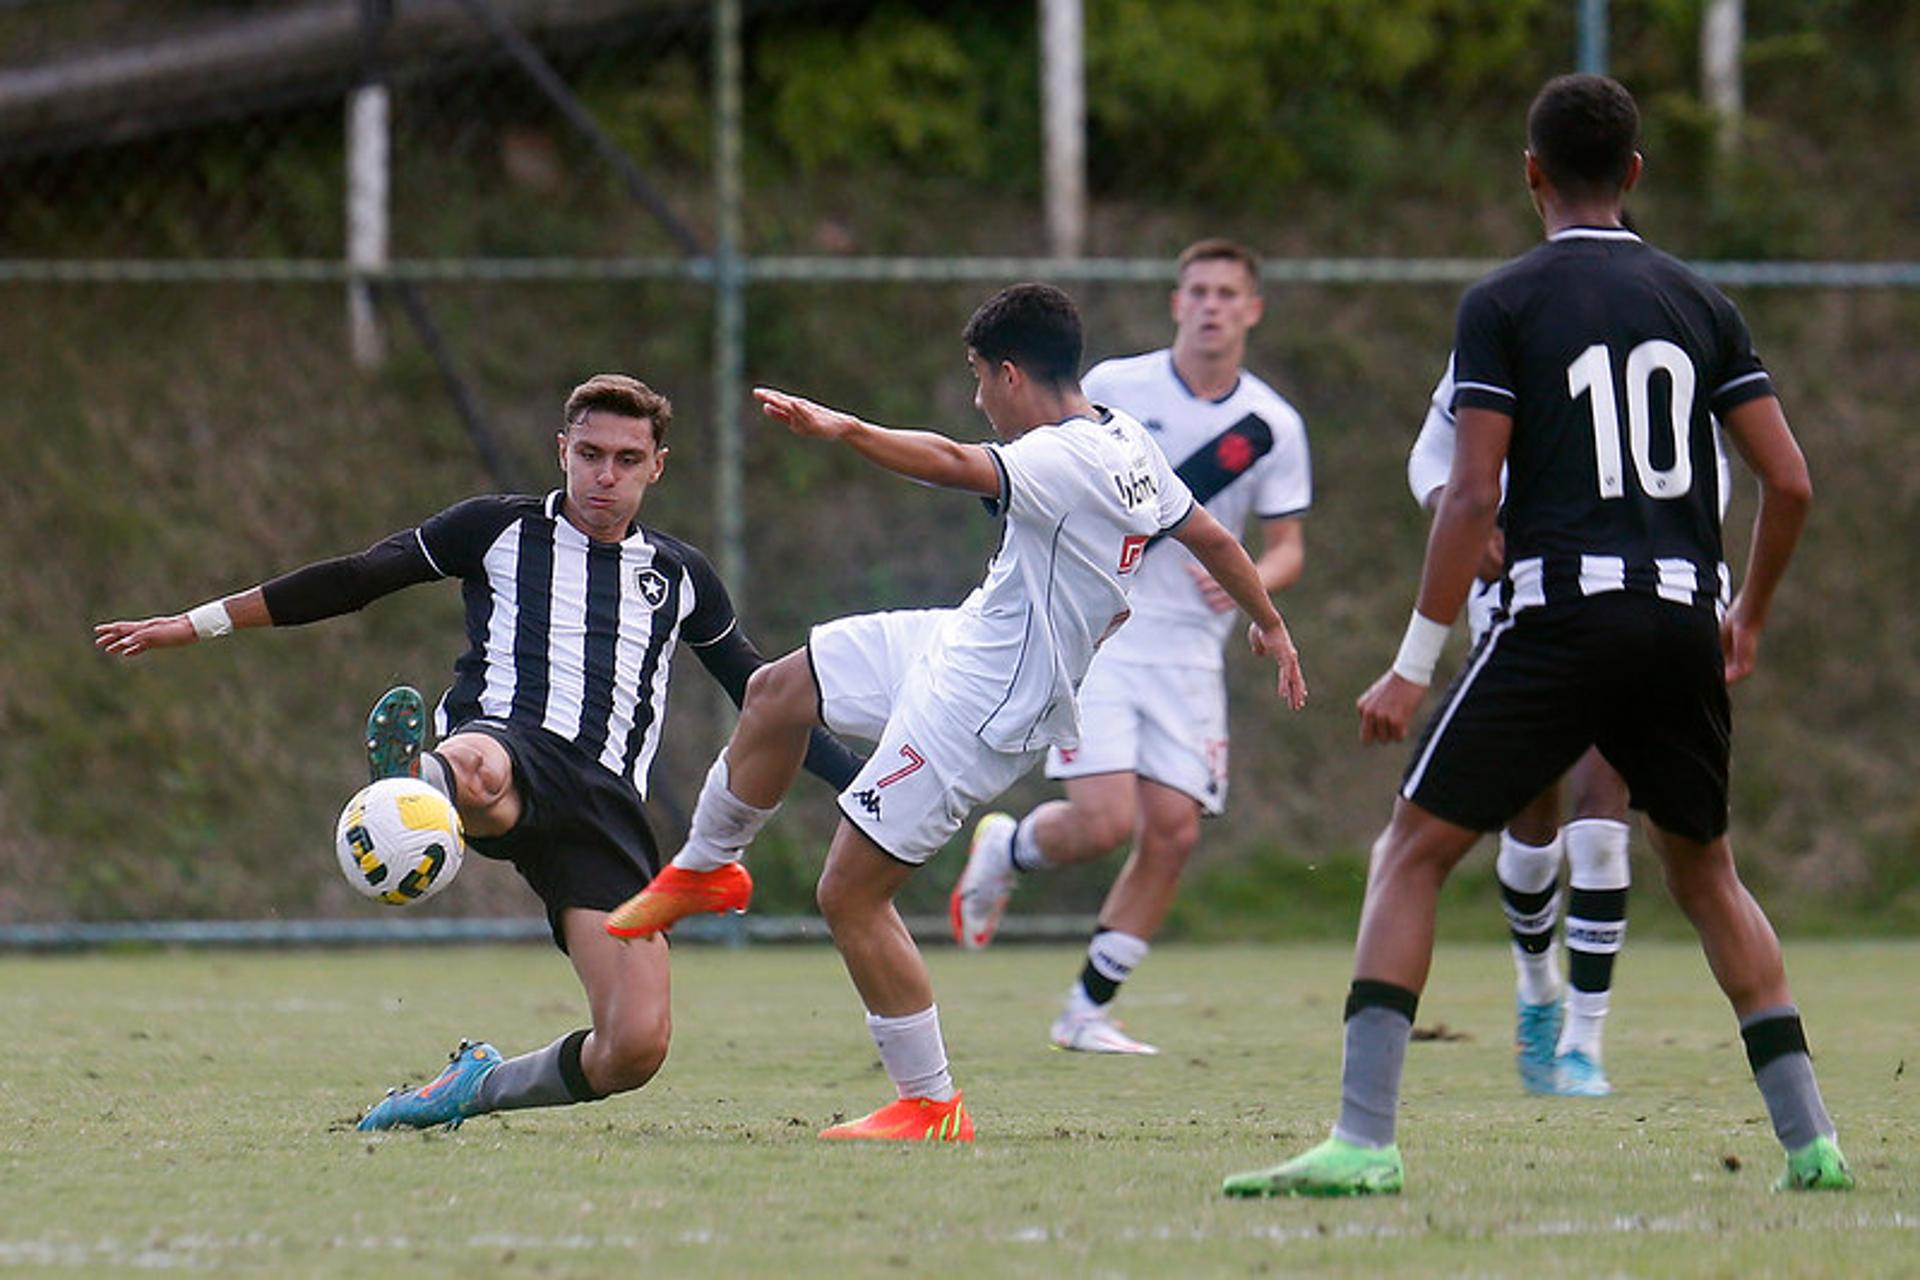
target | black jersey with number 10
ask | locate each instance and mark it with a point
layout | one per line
(1612, 359)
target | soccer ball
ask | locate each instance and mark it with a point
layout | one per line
(399, 841)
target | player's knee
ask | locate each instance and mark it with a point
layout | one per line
(783, 691)
(1167, 843)
(1106, 827)
(632, 1051)
(482, 778)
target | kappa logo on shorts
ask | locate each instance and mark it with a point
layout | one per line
(868, 799)
(651, 584)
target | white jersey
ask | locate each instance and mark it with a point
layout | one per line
(1431, 462)
(1242, 455)
(1081, 499)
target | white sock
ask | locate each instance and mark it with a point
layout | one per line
(723, 824)
(1532, 869)
(1024, 854)
(913, 1053)
(1112, 957)
(1586, 1015)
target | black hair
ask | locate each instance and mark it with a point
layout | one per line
(1034, 326)
(1583, 130)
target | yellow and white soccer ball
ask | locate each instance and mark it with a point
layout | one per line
(399, 841)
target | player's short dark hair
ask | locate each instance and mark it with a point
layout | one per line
(1219, 249)
(1583, 130)
(1034, 326)
(628, 397)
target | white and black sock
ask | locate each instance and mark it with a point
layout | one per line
(1598, 875)
(1112, 956)
(1529, 878)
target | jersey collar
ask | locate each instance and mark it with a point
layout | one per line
(1593, 233)
(1181, 382)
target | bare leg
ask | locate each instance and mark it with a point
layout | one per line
(856, 893)
(1169, 831)
(1741, 947)
(1411, 860)
(630, 998)
(1096, 816)
(769, 743)
(482, 778)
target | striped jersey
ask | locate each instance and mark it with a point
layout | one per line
(1612, 359)
(1243, 455)
(1081, 500)
(567, 634)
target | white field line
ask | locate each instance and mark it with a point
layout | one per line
(189, 1252)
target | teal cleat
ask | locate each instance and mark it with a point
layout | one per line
(1818, 1166)
(396, 731)
(448, 1100)
(1536, 1033)
(1575, 1075)
(1334, 1168)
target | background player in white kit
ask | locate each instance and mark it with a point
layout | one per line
(960, 702)
(1153, 753)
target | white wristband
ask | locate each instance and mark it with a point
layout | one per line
(1420, 649)
(210, 620)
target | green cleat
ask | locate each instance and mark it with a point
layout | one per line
(1818, 1166)
(1334, 1168)
(396, 731)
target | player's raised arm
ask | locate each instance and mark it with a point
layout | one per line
(925, 456)
(1234, 570)
(129, 639)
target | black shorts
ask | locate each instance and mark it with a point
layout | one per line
(1639, 677)
(582, 839)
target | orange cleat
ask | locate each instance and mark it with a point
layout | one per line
(909, 1120)
(675, 893)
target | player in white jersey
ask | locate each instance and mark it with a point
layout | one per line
(1153, 753)
(960, 702)
(1557, 1035)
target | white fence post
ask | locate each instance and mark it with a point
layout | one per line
(1063, 113)
(367, 163)
(1722, 32)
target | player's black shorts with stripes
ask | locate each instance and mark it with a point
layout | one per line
(582, 839)
(1639, 677)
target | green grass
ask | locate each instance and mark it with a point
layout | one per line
(194, 1110)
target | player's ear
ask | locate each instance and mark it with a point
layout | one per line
(1536, 176)
(560, 447)
(1634, 166)
(659, 463)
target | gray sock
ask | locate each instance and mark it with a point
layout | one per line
(1782, 1068)
(549, 1077)
(1370, 1075)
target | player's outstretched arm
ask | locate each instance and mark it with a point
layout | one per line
(1759, 430)
(129, 639)
(925, 456)
(1234, 570)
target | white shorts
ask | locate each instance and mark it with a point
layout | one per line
(1166, 724)
(928, 770)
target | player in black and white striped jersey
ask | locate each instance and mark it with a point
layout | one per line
(1591, 369)
(547, 735)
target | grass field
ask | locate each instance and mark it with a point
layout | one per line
(194, 1111)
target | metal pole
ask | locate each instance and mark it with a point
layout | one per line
(1722, 28)
(1592, 54)
(368, 151)
(729, 302)
(1063, 114)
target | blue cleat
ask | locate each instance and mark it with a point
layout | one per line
(396, 731)
(1536, 1034)
(448, 1100)
(1575, 1075)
